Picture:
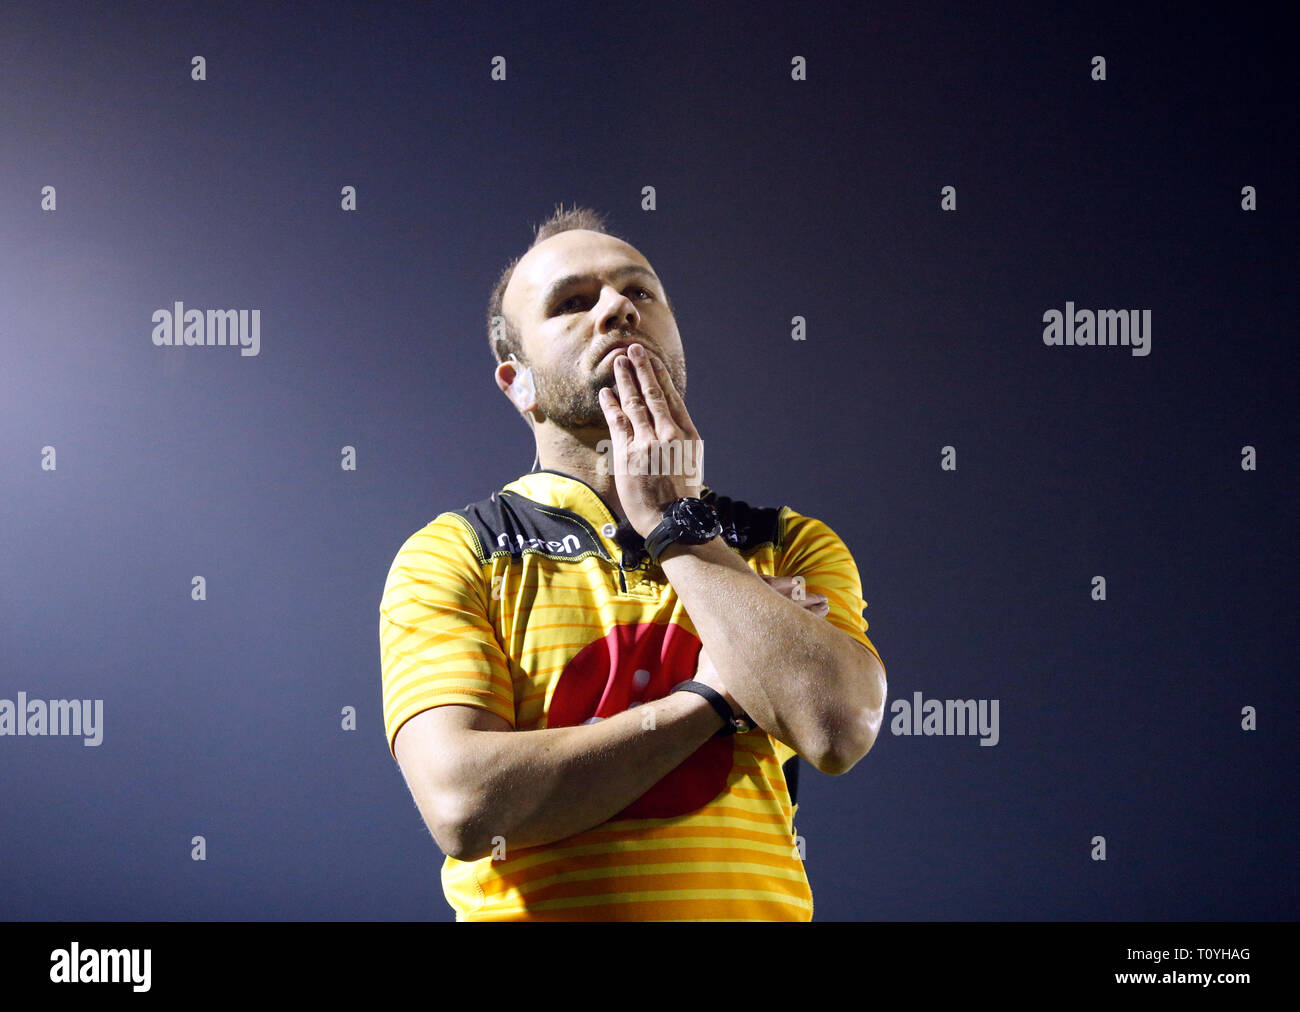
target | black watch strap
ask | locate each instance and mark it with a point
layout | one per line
(686, 521)
(732, 723)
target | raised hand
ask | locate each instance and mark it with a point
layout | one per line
(656, 448)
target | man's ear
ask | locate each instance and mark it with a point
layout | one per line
(516, 381)
(504, 375)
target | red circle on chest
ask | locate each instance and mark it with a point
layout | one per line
(629, 666)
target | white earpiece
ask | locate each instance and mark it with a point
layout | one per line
(522, 388)
(522, 391)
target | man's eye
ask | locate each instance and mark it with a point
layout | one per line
(563, 306)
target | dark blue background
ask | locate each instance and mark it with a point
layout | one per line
(775, 198)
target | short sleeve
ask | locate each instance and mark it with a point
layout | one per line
(815, 552)
(436, 644)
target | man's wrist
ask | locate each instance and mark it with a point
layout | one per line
(687, 520)
(644, 525)
(678, 548)
(734, 720)
(698, 709)
(714, 550)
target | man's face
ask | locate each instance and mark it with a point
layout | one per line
(567, 327)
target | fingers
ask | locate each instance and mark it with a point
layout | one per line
(818, 604)
(648, 396)
(786, 584)
(631, 399)
(620, 428)
(676, 406)
(665, 425)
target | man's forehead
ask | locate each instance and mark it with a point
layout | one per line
(576, 251)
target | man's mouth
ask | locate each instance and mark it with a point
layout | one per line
(622, 346)
(615, 349)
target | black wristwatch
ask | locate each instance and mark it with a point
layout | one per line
(735, 724)
(685, 521)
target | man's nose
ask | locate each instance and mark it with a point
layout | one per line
(621, 313)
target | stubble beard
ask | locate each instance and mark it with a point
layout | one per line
(572, 400)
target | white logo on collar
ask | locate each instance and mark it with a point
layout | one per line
(503, 541)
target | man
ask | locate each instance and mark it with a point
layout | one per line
(572, 746)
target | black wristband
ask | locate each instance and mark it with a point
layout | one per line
(716, 701)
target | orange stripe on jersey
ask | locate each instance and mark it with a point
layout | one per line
(632, 907)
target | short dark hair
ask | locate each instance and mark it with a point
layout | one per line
(508, 341)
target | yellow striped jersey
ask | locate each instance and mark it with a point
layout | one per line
(527, 605)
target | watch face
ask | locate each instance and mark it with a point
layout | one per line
(698, 518)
